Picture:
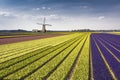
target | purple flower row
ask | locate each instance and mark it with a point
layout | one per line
(107, 43)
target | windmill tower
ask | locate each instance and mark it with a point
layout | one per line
(44, 25)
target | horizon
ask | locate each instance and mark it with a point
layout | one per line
(62, 15)
(64, 30)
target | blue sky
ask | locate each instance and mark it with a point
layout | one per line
(61, 14)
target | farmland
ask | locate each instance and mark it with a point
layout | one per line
(12, 37)
(77, 56)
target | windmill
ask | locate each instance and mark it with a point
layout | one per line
(44, 25)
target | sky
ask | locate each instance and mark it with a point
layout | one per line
(61, 14)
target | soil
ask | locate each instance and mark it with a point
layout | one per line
(25, 38)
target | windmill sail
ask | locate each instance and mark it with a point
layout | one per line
(44, 25)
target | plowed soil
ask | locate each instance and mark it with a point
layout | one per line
(25, 38)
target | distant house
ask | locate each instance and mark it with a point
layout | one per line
(35, 30)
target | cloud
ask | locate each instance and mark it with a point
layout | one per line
(39, 17)
(8, 14)
(101, 17)
(3, 13)
(84, 6)
(57, 17)
(43, 7)
(48, 8)
(36, 9)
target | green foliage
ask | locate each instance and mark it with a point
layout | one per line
(50, 58)
(82, 68)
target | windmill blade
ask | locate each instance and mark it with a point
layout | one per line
(39, 23)
(48, 25)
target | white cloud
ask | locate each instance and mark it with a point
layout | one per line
(57, 17)
(8, 14)
(28, 20)
(40, 17)
(3, 13)
(36, 9)
(101, 17)
(43, 7)
(53, 16)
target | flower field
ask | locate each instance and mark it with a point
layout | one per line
(105, 49)
(77, 56)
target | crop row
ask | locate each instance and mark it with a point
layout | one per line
(79, 56)
(27, 44)
(28, 49)
(81, 70)
(62, 70)
(108, 55)
(29, 55)
(32, 60)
